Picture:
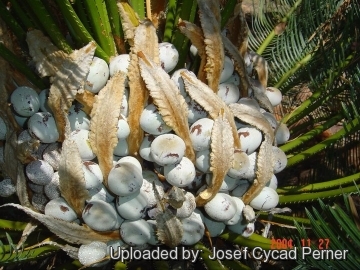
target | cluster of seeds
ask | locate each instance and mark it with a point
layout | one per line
(179, 181)
(135, 198)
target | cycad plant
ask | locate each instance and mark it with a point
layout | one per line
(307, 49)
(332, 223)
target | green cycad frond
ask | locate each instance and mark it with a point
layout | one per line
(11, 255)
(312, 51)
(339, 101)
(264, 24)
(277, 37)
(341, 232)
(293, 34)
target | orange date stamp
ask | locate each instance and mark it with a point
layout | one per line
(319, 249)
(321, 243)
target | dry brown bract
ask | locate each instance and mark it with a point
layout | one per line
(260, 66)
(262, 98)
(87, 99)
(104, 120)
(169, 228)
(175, 197)
(24, 150)
(14, 169)
(210, 21)
(48, 58)
(129, 21)
(221, 157)
(238, 30)
(71, 176)
(66, 83)
(195, 34)
(168, 100)
(145, 40)
(264, 163)
(238, 64)
(211, 102)
(262, 69)
(69, 231)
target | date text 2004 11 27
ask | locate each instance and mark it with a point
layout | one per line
(283, 243)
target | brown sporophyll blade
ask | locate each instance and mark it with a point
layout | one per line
(264, 163)
(169, 228)
(21, 187)
(175, 197)
(210, 101)
(168, 100)
(104, 120)
(253, 117)
(25, 150)
(13, 168)
(71, 176)
(195, 34)
(243, 38)
(262, 69)
(69, 231)
(67, 81)
(145, 40)
(138, 96)
(10, 164)
(47, 57)
(239, 65)
(214, 6)
(158, 15)
(237, 30)
(221, 157)
(87, 99)
(262, 98)
(215, 55)
(129, 21)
